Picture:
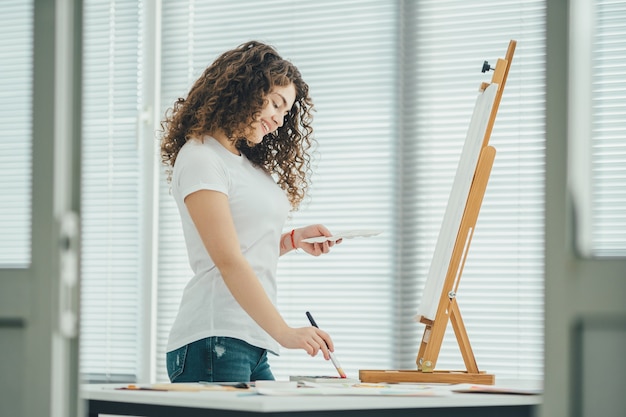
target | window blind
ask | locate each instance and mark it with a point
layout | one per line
(608, 137)
(501, 292)
(16, 72)
(394, 99)
(348, 291)
(394, 87)
(111, 194)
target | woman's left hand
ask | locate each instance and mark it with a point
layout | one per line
(314, 230)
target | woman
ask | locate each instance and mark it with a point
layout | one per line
(236, 150)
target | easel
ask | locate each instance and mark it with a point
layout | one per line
(448, 308)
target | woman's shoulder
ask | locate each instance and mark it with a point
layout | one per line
(198, 156)
(195, 149)
(199, 160)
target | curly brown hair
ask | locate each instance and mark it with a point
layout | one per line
(229, 96)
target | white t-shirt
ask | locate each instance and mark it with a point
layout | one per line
(259, 209)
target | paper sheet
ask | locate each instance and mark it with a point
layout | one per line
(361, 389)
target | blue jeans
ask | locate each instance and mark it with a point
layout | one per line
(218, 359)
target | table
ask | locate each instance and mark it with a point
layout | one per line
(105, 399)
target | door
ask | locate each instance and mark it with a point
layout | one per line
(585, 367)
(39, 299)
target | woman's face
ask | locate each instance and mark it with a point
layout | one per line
(279, 101)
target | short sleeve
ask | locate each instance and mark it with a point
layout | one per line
(197, 168)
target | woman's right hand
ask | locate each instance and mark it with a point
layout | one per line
(311, 339)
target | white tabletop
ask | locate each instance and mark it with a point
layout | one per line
(249, 400)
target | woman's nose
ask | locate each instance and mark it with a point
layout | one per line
(279, 119)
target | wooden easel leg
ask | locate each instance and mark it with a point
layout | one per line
(435, 338)
(425, 339)
(462, 338)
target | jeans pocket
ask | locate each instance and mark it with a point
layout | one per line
(175, 361)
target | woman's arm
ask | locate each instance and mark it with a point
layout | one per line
(293, 240)
(211, 215)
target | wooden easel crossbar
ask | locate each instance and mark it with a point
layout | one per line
(448, 307)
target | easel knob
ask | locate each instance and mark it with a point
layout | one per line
(487, 67)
